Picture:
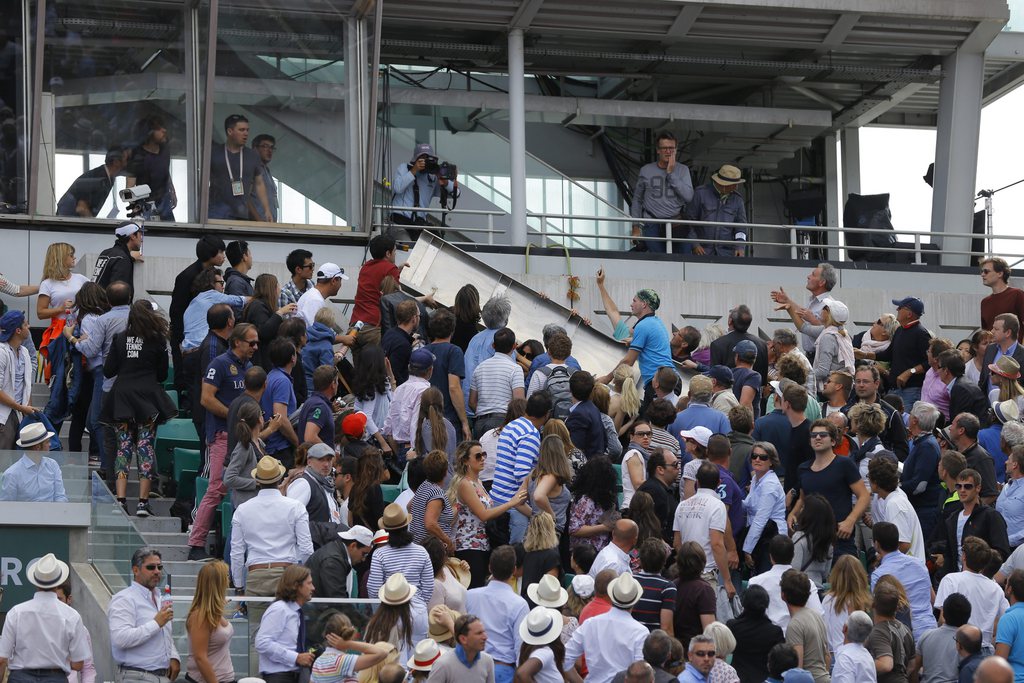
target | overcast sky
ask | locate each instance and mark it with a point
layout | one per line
(894, 161)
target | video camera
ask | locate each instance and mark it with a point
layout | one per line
(137, 198)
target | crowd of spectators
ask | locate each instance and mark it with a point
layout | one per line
(828, 505)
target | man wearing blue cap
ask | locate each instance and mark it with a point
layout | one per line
(415, 184)
(16, 372)
(907, 354)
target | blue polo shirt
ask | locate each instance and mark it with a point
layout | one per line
(227, 373)
(1011, 632)
(651, 341)
(316, 409)
(279, 390)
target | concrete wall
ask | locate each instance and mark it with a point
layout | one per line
(91, 599)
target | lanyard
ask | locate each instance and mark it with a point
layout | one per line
(227, 164)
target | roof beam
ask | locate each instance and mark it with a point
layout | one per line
(815, 96)
(838, 33)
(683, 23)
(1003, 82)
(525, 14)
(877, 102)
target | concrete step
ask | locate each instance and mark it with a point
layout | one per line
(148, 525)
(163, 539)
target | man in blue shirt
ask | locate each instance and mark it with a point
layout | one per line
(501, 610)
(698, 413)
(650, 343)
(416, 183)
(912, 573)
(1010, 635)
(223, 383)
(209, 285)
(34, 478)
(719, 201)
(279, 399)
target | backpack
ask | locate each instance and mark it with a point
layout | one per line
(557, 384)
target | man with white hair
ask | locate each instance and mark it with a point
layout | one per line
(854, 664)
(920, 478)
(820, 282)
(494, 313)
(784, 342)
(701, 658)
(613, 640)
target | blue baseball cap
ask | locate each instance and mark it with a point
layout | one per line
(10, 323)
(912, 303)
(720, 374)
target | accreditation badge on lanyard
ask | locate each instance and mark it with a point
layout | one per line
(236, 185)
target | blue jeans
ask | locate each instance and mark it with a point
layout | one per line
(910, 396)
(517, 524)
(653, 230)
(24, 676)
(95, 427)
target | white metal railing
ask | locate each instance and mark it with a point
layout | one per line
(793, 243)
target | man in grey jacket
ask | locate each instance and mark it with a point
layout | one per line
(719, 201)
(662, 190)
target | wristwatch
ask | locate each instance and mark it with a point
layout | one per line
(913, 370)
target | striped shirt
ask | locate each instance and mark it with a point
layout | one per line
(334, 667)
(425, 493)
(493, 381)
(518, 451)
(659, 593)
(411, 560)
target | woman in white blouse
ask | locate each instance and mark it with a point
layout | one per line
(765, 505)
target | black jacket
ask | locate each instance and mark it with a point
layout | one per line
(985, 523)
(990, 357)
(967, 397)
(114, 265)
(722, 354)
(980, 460)
(181, 297)
(329, 566)
(909, 347)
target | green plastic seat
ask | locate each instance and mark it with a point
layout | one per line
(173, 395)
(186, 468)
(176, 433)
(567, 579)
(390, 492)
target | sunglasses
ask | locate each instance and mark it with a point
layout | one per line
(673, 465)
(760, 456)
(703, 653)
(878, 322)
(964, 487)
(218, 282)
(253, 344)
(642, 435)
(480, 456)
(820, 435)
(153, 567)
(985, 271)
(308, 265)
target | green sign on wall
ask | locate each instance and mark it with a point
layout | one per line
(18, 548)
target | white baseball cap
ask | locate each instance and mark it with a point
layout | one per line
(329, 271)
(360, 534)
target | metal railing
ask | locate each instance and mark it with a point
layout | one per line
(832, 236)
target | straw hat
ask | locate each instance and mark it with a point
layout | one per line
(269, 470)
(1006, 367)
(48, 571)
(625, 591)
(439, 631)
(728, 175)
(33, 435)
(541, 626)
(423, 658)
(380, 538)
(1006, 411)
(456, 568)
(395, 517)
(396, 590)
(547, 592)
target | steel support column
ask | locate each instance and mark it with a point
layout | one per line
(956, 151)
(517, 137)
(356, 107)
(850, 146)
(833, 201)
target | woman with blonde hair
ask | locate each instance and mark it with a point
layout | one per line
(725, 644)
(56, 298)
(574, 456)
(601, 397)
(1005, 380)
(209, 633)
(833, 349)
(978, 343)
(474, 509)
(626, 397)
(848, 592)
(433, 430)
(541, 545)
(59, 286)
(548, 484)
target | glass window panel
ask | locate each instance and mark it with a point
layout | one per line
(116, 73)
(282, 70)
(14, 94)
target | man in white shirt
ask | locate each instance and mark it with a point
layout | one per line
(988, 601)
(268, 533)
(780, 551)
(328, 283)
(615, 555)
(140, 626)
(400, 424)
(613, 640)
(885, 483)
(854, 664)
(703, 518)
(820, 282)
(43, 639)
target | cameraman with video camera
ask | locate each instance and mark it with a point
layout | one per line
(417, 182)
